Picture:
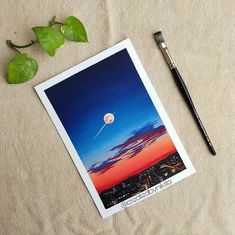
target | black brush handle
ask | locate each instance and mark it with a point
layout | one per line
(184, 91)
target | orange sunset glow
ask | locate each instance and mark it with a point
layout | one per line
(161, 148)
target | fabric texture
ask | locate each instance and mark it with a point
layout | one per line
(41, 191)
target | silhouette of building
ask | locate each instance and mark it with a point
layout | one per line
(155, 174)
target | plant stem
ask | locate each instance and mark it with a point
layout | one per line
(9, 44)
(23, 46)
(53, 22)
(13, 46)
(56, 22)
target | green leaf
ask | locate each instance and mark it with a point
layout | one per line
(74, 30)
(21, 69)
(49, 38)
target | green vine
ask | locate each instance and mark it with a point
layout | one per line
(22, 68)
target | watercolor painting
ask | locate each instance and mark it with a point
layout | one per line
(115, 128)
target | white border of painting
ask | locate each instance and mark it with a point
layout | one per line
(40, 89)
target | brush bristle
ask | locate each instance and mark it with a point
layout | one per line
(158, 37)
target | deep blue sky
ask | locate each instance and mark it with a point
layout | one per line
(112, 85)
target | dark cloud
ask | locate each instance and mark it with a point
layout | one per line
(138, 140)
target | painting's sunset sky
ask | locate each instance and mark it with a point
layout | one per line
(132, 165)
(112, 85)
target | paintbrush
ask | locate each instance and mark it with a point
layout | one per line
(182, 87)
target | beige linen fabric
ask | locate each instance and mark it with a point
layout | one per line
(41, 191)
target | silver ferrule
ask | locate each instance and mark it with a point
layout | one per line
(167, 55)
